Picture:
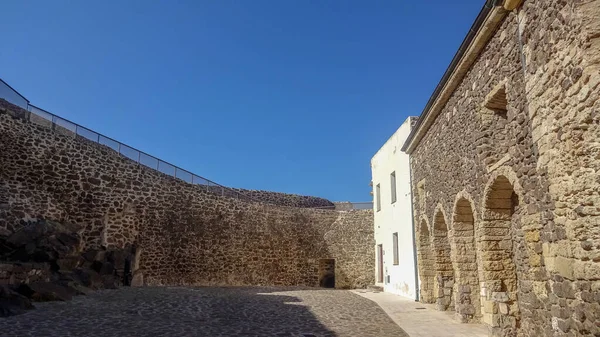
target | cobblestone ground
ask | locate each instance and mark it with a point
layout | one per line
(211, 311)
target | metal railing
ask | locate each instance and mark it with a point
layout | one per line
(362, 205)
(13, 96)
(68, 128)
(347, 205)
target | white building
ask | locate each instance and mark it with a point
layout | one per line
(395, 268)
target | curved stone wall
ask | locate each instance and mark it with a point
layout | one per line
(286, 199)
(185, 234)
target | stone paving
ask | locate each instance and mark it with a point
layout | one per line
(422, 320)
(210, 311)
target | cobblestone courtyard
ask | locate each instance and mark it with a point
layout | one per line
(213, 311)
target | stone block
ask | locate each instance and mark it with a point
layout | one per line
(494, 285)
(563, 289)
(514, 307)
(493, 265)
(564, 267)
(461, 318)
(535, 260)
(490, 307)
(500, 297)
(507, 322)
(540, 289)
(562, 325)
(464, 288)
(137, 279)
(506, 245)
(487, 318)
(466, 309)
(444, 301)
(503, 308)
(532, 236)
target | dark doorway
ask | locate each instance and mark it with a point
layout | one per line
(379, 263)
(327, 273)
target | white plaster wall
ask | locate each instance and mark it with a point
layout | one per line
(396, 217)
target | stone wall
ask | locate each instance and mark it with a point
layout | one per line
(286, 199)
(16, 273)
(515, 189)
(183, 233)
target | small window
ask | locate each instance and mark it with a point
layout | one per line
(378, 197)
(496, 100)
(422, 194)
(393, 184)
(395, 245)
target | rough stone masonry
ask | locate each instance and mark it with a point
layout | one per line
(506, 174)
(183, 234)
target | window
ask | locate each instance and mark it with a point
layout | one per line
(395, 245)
(496, 100)
(393, 183)
(378, 197)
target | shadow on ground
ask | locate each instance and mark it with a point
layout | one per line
(209, 311)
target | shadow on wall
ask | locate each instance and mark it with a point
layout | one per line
(272, 246)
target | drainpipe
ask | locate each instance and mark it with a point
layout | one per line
(414, 236)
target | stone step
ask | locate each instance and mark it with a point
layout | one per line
(375, 288)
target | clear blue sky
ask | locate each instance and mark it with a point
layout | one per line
(284, 95)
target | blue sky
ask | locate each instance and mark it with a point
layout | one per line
(285, 95)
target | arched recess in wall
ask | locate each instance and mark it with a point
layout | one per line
(444, 271)
(425, 263)
(464, 257)
(498, 272)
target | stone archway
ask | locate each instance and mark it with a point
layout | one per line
(425, 264)
(464, 257)
(444, 272)
(497, 270)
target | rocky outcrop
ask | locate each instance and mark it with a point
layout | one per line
(41, 241)
(44, 262)
(13, 303)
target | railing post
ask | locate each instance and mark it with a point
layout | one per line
(139, 157)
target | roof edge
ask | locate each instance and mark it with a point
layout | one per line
(482, 30)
